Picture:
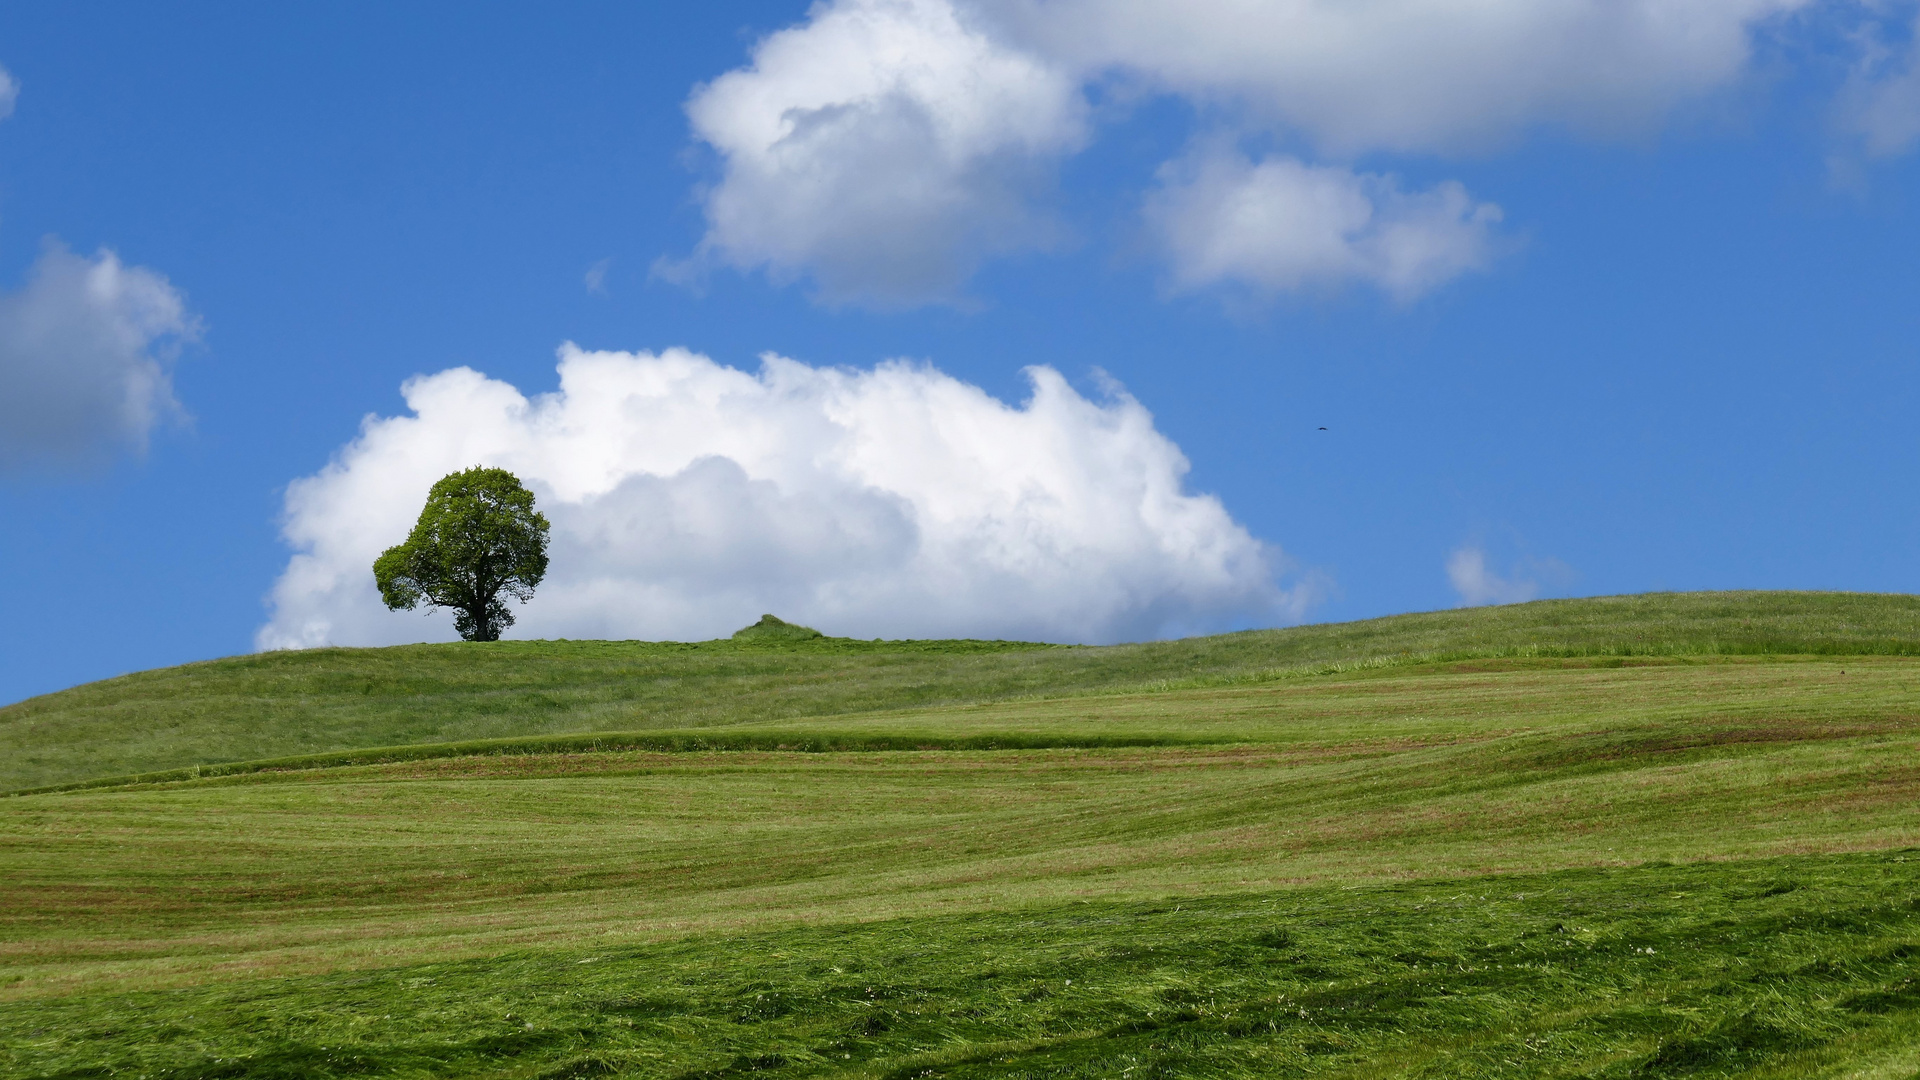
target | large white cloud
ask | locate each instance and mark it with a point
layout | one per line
(687, 498)
(84, 349)
(883, 148)
(1281, 224)
(886, 147)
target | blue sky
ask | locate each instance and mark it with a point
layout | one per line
(1682, 357)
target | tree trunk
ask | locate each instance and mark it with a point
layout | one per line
(483, 629)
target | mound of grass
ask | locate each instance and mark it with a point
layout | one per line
(274, 705)
(772, 629)
(1799, 967)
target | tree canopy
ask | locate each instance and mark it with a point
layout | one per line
(478, 542)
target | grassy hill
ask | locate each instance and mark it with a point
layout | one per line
(272, 705)
(1662, 836)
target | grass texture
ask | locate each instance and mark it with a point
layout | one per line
(275, 705)
(1784, 968)
(1389, 774)
(1633, 837)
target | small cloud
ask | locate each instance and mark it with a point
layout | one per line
(596, 276)
(9, 93)
(1479, 584)
(85, 349)
(1281, 224)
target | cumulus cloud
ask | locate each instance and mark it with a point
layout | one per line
(84, 352)
(1880, 106)
(1281, 224)
(883, 149)
(688, 497)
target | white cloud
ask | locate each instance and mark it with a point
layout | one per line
(84, 351)
(1880, 106)
(1408, 75)
(883, 149)
(1477, 584)
(687, 498)
(9, 93)
(1282, 224)
(886, 148)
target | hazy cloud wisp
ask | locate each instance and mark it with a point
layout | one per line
(687, 498)
(595, 279)
(1478, 583)
(85, 348)
(1880, 106)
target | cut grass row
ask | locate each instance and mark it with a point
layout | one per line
(1514, 766)
(275, 705)
(1785, 968)
(1234, 711)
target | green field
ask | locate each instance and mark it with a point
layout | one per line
(1664, 835)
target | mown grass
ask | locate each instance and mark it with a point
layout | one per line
(1233, 710)
(1795, 967)
(275, 705)
(1633, 837)
(1363, 777)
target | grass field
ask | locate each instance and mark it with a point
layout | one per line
(1651, 836)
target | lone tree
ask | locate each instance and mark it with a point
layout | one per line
(478, 540)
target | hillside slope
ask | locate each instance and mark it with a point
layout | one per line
(270, 705)
(1370, 776)
(1643, 836)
